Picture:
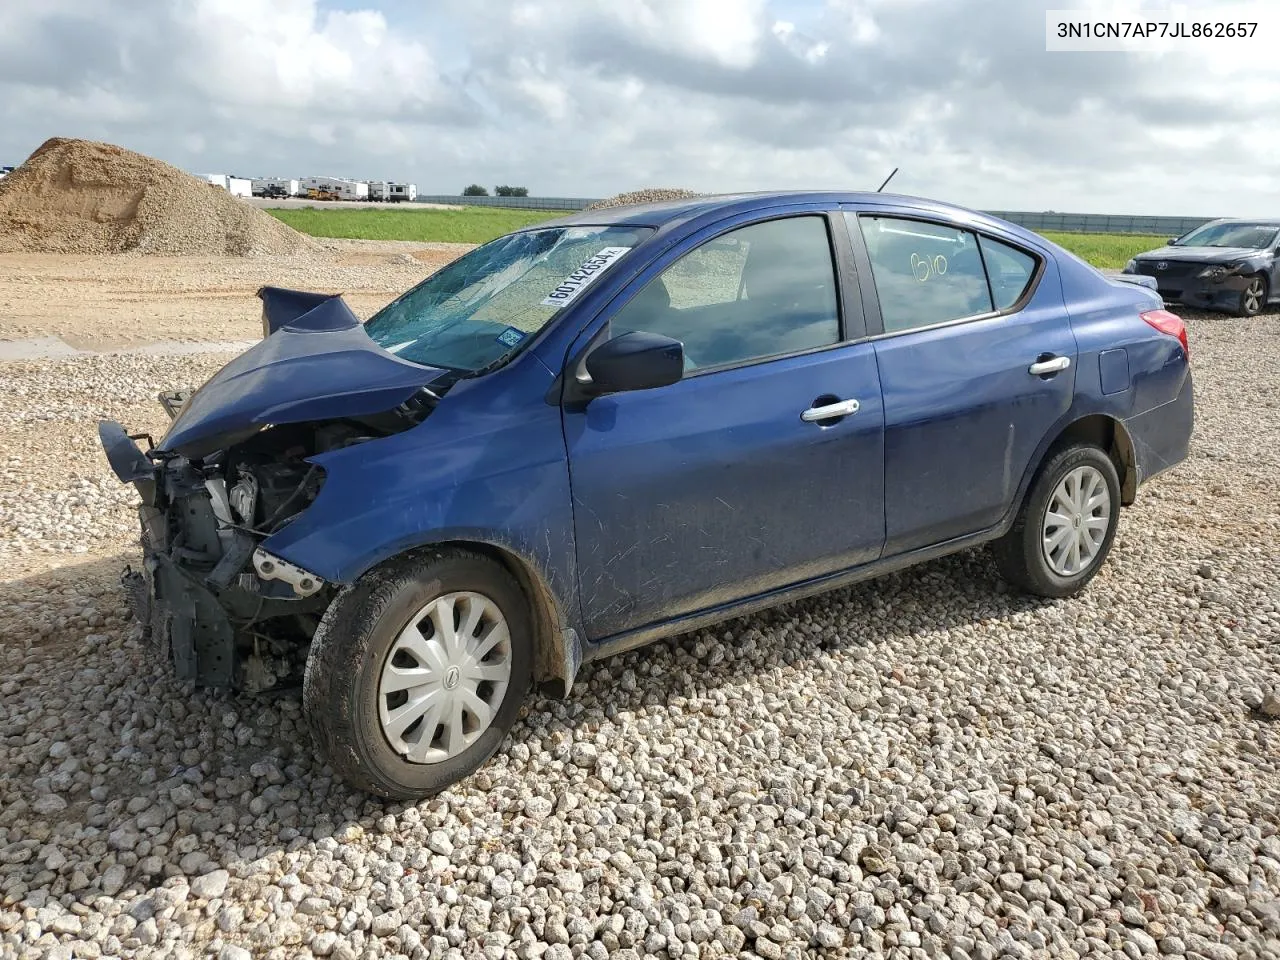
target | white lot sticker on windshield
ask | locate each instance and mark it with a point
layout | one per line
(583, 277)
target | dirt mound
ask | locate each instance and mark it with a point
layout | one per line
(77, 196)
(647, 195)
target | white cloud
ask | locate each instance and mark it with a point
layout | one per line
(725, 32)
(589, 99)
(266, 52)
(804, 47)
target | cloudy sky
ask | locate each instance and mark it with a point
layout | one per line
(589, 99)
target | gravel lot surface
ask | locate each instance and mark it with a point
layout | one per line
(102, 302)
(922, 766)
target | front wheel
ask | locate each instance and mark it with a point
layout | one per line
(417, 672)
(1253, 297)
(1066, 525)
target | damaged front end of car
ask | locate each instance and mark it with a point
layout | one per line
(234, 468)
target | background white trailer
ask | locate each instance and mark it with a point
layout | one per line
(345, 189)
(392, 192)
(262, 186)
(236, 186)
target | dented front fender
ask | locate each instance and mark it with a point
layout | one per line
(487, 467)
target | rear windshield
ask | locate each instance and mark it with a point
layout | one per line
(475, 311)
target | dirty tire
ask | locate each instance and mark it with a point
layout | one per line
(1253, 298)
(340, 690)
(1019, 554)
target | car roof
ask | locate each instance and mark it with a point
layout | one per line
(668, 212)
(669, 215)
(1258, 221)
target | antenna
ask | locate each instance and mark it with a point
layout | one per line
(886, 180)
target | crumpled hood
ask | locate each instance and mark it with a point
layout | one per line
(317, 365)
(1201, 254)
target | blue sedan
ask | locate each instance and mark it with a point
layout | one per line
(627, 424)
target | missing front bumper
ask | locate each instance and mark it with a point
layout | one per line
(271, 567)
(229, 635)
(198, 596)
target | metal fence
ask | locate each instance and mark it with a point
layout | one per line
(1101, 223)
(518, 203)
(1063, 222)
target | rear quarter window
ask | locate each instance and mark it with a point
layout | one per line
(1011, 271)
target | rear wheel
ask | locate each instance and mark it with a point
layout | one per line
(418, 671)
(1066, 525)
(1253, 297)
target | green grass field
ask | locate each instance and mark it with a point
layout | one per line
(481, 224)
(1105, 250)
(469, 225)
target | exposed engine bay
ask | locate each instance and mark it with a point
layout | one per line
(226, 611)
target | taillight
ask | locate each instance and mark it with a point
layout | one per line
(1170, 323)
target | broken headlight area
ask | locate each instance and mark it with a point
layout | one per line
(198, 595)
(1218, 272)
(228, 612)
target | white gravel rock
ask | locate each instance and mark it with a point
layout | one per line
(644, 195)
(211, 885)
(926, 766)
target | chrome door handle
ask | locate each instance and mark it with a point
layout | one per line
(1041, 367)
(830, 411)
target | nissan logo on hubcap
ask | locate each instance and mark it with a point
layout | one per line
(451, 677)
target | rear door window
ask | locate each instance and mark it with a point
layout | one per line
(925, 273)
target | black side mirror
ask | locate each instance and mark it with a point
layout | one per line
(635, 361)
(1173, 241)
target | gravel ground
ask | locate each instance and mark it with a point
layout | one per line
(103, 302)
(926, 766)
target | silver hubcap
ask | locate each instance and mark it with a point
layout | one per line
(1076, 521)
(1253, 295)
(444, 677)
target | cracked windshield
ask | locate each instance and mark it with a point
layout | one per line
(480, 308)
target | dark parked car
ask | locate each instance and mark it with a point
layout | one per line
(627, 424)
(1231, 265)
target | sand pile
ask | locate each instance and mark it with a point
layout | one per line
(77, 196)
(647, 195)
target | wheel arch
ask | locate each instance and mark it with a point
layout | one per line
(1262, 276)
(1102, 431)
(557, 652)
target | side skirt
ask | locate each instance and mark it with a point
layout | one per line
(622, 642)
